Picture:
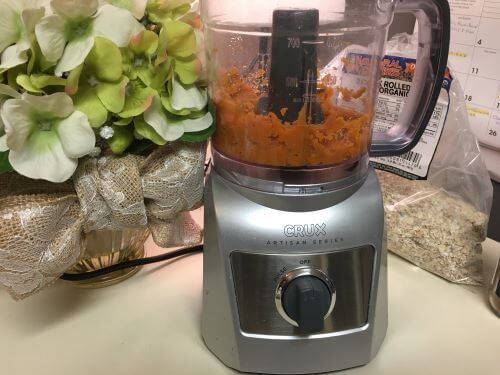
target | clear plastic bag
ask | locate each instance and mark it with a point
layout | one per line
(437, 217)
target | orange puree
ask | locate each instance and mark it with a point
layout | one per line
(263, 139)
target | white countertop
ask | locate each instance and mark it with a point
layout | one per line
(150, 325)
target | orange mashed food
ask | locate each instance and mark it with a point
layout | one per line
(264, 139)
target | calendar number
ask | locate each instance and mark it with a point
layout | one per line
(493, 133)
(475, 70)
(468, 98)
(480, 42)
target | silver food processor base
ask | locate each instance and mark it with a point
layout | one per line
(258, 243)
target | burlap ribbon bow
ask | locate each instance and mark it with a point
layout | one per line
(42, 225)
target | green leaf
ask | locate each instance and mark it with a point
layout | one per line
(105, 60)
(121, 140)
(147, 131)
(199, 136)
(4, 162)
(178, 38)
(138, 99)
(112, 95)
(142, 147)
(188, 71)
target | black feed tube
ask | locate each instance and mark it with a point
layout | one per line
(294, 66)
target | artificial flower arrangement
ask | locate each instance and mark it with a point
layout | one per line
(104, 119)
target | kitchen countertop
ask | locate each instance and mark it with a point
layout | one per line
(150, 325)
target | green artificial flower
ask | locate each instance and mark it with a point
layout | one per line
(180, 42)
(136, 7)
(183, 100)
(46, 136)
(37, 83)
(146, 131)
(192, 15)
(160, 11)
(68, 35)
(141, 61)
(189, 70)
(138, 56)
(177, 39)
(138, 98)
(98, 86)
(17, 23)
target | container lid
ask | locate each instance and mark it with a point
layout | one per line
(260, 12)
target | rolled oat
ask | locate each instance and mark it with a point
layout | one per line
(433, 229)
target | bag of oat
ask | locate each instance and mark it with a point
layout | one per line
(438, 196)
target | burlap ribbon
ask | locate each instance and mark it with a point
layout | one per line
(42, 224)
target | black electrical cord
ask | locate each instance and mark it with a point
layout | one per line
(136, 262)
(132, 264)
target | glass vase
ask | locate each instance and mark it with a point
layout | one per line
(107, 248)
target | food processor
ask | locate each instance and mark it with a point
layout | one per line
(295, 277)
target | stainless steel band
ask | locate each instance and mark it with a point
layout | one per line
(290, 180)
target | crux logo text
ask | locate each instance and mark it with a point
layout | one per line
(308, 230)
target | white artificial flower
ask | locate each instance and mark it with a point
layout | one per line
(17, 22)
(46, 136)
(6, 92)
(68, 35)
(173, 129)
(187, 97)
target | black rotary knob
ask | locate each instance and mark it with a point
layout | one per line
(307, 300)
